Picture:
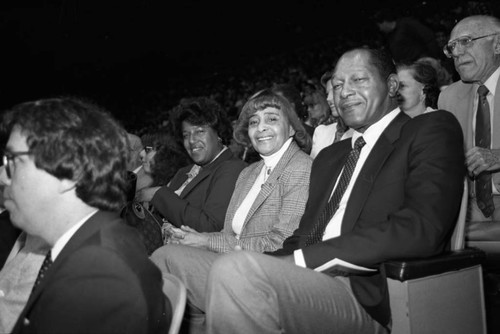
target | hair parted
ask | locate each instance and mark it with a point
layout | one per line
(427, 76)
(269, 99)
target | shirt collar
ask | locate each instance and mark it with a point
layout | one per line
(272, 160)
(63, 240)
(374, 131)
(491, 83)
(218, 155)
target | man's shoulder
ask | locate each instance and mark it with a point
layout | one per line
(106, 233)
(436, 119)
(457, 90)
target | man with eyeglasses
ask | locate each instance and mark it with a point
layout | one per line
(65, 166)
(475, 100)
(474, 47)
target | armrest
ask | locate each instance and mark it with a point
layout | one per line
(410, 269)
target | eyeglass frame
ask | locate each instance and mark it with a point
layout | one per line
(10, 156)
(150, 148)
(468, 40)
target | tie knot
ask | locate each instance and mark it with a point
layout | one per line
(360, 142)
(482, 91)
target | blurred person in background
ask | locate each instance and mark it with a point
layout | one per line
(407, 38)
(292, 94)
(326, 134)
(418, 88)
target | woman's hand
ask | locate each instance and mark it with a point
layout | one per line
(189, 237)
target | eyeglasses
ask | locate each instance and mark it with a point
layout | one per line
(465, 42)
(8, 157)
(148, 149)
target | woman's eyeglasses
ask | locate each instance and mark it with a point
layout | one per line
(148, 149)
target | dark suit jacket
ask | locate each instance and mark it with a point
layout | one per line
(202, 205)
(404, 203)
(101, 282)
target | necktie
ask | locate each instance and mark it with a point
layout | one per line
(317, 232)
(483, 139)
(45, 266)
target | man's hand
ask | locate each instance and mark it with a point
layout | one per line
(480, 159)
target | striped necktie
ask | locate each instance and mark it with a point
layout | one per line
(483, 185)
(319, 228)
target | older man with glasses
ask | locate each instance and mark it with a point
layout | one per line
(475, 100)
(474, 47)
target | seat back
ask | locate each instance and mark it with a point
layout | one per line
(458, 236)
(175, 290)
(442, 294)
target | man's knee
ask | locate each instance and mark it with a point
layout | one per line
(164, 256)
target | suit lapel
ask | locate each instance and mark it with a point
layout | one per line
(205, 172)
(242, 189)
(496, 117)
(272, 180)
(327, 172)
(468, 105)
(370, 170)
(180, 177)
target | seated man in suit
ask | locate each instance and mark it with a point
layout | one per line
(474, 47)
(391, 191)
(65, 166)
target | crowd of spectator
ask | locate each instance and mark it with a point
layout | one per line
(302, 66)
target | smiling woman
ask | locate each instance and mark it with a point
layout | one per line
(198, 194)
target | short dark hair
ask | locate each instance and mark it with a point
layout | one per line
(425, 74)
(203, 111)
(270, 99)
(385, 14)
(380, 59)
(76, 140)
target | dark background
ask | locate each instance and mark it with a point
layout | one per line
(117, 47)
(115, 52)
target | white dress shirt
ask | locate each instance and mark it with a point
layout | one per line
(370, 136)
(269, 163)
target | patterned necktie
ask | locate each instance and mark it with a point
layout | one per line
(319, 228)
(483, 139)
(45, 266)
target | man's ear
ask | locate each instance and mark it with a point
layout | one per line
(393, 84)
(496, 45)
(291, 131)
